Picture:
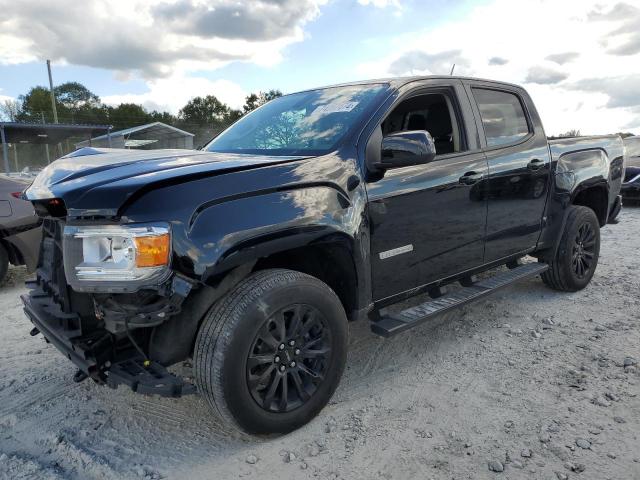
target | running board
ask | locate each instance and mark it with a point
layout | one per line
(392, 324)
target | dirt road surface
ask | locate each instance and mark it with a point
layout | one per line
(531, 382)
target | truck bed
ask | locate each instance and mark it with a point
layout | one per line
(611, 144)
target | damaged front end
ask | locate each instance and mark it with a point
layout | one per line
(105, 329)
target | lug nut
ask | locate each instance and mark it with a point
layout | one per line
(277, 359)
(292, 364)
(297, 352)
(282, 367)
(281, 347)
(292, 343)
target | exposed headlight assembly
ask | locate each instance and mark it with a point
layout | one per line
(116, 258)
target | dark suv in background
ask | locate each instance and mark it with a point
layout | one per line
(631, 184)
(19, 226)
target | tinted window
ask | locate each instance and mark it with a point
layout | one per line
(432, 112)
(311, 122)
(502, 116)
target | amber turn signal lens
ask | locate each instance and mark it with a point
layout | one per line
(152, 251)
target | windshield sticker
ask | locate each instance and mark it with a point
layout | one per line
(335, 108)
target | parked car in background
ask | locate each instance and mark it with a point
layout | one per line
(19, 226)
(631, 185)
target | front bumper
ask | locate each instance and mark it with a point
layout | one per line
(97, 354)
(63, 330)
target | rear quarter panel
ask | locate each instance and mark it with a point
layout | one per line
(579, 163)
(585, 161)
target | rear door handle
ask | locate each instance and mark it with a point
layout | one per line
(470, 178)
(535, 164)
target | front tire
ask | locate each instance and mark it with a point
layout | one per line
(578, 252)
(270, 353)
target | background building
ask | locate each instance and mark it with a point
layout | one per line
(150, 136)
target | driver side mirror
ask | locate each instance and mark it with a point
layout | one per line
(402, 149)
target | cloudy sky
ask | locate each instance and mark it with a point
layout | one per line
(580, 59)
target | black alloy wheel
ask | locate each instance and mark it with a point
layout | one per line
(289, 358)
(270, 353)
(576, 257)
(583, 250)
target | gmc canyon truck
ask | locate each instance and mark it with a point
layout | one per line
(249, 258)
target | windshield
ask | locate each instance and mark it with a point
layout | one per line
(305, 123)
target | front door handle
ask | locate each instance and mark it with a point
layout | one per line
(470, 178)
(535, 164)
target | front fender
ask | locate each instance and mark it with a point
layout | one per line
(219, 223)
(234, 232)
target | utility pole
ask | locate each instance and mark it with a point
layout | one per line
(53, 101)
(46, 145)
(452, 69)
(53, 96)
(5, 150)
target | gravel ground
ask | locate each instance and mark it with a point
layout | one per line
(531, 383)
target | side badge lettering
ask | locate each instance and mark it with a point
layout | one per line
(396, 251)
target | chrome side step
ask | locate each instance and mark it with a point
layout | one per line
(392, 324)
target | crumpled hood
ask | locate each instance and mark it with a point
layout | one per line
(74, 176)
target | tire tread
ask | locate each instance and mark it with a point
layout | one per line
(557, 277)
(219, 327)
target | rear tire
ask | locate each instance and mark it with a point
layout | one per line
(578, 252)
(4, 262)
(270, 353)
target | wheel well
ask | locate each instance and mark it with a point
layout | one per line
(597, 199)
(330, 262)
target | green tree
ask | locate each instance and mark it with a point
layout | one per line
(127, 115)
(164, 117)
(74, 96)
(75, 103)
(570, 133)
(255, 100)
(9, 110)
(35, 103)
(205, 111)
(206, 117)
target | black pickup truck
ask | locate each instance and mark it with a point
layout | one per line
(321, 207)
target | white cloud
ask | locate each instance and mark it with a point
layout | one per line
(545, 75)
(5, 98)
(497, 30)
(166, 42)
(383, 4)
(380, 3)
(153, 38)
(172, 93)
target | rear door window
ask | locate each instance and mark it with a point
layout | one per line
(503, 117)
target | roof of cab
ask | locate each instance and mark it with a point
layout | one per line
(397, 82)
